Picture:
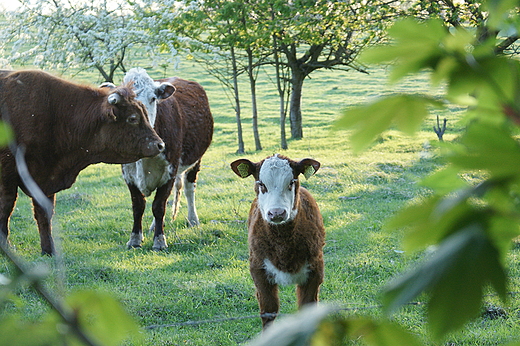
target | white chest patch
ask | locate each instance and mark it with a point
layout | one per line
(276, 276)
(148, 174)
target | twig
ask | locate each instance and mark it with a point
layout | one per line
(63, 311)
(440, 130)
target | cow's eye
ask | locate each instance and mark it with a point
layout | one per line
(291, 184)
(153, 100)
(262, 187)
(132, 119)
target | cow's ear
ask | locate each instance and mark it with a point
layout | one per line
(308, 167)
(164, 91)
(243, 167)
(108, 85)
(114, 98)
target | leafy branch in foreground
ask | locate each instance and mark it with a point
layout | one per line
(472, 226)
(83, 318)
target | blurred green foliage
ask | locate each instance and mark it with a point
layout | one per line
(471, 226)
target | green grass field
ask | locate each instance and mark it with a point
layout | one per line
(203, 275)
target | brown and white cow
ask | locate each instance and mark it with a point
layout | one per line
(64, 127)
(285, 232)
(179, 111)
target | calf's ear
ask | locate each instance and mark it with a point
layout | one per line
(243, 167)
(308, 167)
(164, 90)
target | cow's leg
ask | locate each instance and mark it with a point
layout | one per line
(158, 209)
(190, 183)
(7, 201)
(138, 207)
(177, 188)
(308, 292)
(267, 296)
(44, 226)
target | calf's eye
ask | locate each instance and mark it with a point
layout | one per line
(262, 187)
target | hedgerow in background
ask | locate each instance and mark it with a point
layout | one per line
(472, 226)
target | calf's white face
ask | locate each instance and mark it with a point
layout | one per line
(147, 91)
(276, 184)
(276, 191)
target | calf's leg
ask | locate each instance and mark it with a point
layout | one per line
(308, 292)
(267, 296)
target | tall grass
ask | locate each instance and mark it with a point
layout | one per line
(203, 275)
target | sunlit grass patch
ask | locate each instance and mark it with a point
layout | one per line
(204, 273)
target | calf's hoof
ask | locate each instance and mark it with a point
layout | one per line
(159, 243)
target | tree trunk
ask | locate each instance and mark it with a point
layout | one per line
(295, 114)
(280, 85)
(283, 137)
(252, 83)
(240, 149)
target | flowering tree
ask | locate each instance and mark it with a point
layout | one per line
(101, 35)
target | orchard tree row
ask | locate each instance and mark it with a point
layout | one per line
(291, 39)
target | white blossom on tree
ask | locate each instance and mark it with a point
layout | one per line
(85, 34)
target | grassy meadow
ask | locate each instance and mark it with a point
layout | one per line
(203, 275)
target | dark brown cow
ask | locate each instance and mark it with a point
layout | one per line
(286, 232)
(184, 122)
(64, 127)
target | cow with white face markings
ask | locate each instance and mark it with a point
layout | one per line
(179, 112)
(286, 234)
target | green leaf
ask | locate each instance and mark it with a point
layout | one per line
(416, 46)
(331, 331)
(464, 262)
(444, 69)
(498, 10)
(411, 30)
(475, 263)
(489, 148)
(15, 331)
(103, 317)
(502, 230)
(445, 181)
(380, 333)
(493, 80)
(406, 111)
(432, 219)
(294, 330)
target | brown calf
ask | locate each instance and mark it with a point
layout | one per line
(64, 127)
(286, 232)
